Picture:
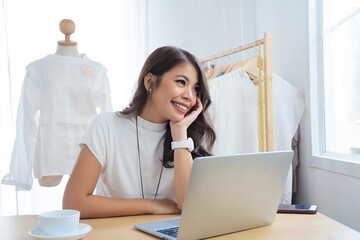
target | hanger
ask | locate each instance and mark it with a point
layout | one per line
(215, 72)
(249, 66)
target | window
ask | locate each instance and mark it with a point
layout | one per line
(334, 67)
(341, 75)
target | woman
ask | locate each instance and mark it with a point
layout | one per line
(140, 159)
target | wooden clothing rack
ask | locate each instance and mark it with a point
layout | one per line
(264, 64)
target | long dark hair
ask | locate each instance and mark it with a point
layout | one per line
(159, 62)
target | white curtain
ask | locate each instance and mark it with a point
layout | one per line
(112, 32)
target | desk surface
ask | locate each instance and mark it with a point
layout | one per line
(285, 226)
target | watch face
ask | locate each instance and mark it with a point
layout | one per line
(191, 144)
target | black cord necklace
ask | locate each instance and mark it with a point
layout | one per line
(141, 179)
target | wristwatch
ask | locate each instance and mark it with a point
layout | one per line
(188, 143)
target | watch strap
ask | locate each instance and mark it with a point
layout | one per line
(188, 143)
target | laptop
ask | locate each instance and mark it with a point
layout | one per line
(227, 194)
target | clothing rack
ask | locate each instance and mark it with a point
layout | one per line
(265, 65)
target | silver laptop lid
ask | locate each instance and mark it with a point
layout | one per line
(233, 193)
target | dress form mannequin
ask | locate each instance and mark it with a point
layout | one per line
(52, 116)
(67, 47)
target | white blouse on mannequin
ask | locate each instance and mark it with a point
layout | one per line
(60, 97)
(61, 94)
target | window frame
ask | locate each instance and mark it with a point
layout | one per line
(346, 164)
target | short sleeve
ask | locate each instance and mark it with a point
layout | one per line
(97, 138)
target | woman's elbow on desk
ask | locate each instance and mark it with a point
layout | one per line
(73, 202)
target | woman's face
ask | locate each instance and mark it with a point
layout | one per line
(174, 97)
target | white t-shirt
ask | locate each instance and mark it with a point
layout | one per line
(113, 141)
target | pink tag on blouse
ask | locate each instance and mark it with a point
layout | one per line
(88, 72)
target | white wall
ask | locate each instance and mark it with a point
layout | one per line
(208, 27)
(201, 27)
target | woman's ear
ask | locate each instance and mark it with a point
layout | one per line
(149, 81)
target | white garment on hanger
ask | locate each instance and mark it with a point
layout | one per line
(234, 112)
(60, 97)
(235, 115)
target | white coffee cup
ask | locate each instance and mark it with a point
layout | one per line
(58, 222)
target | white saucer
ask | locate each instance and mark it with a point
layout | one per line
(79, 233)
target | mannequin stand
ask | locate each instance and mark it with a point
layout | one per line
(67, 47)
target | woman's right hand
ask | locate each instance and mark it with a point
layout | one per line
(179, 129)
(163, 206)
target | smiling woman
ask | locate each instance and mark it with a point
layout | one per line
(27, 37)
(168, 110)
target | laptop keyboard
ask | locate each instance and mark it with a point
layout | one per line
(169, 231)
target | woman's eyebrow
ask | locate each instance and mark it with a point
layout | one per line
(187, 79)
(183, 76)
